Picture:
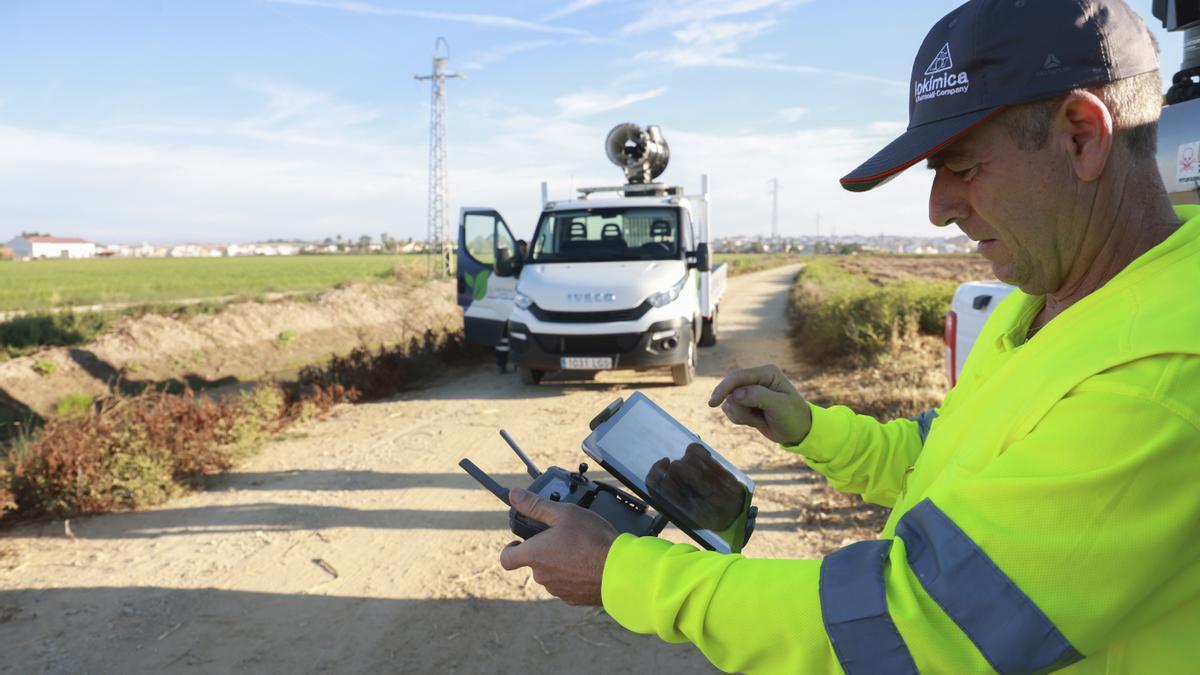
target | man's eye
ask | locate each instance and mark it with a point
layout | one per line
(964, 174)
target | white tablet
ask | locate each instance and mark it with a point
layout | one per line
(679, 474)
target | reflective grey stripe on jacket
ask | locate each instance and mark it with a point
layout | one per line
(925, 422)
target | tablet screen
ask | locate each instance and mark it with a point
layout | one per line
(679, 474)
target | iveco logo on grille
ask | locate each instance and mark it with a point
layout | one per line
(591, 297)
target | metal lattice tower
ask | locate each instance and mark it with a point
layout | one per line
(440, 248)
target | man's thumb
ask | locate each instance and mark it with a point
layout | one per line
(758, 396)
(528, 504)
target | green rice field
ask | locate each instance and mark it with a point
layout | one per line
(46, 284)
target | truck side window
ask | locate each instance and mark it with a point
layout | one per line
(480, 236)
(689, 233)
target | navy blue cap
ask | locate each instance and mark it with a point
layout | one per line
(989, 54)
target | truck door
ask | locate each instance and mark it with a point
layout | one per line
(485, 296)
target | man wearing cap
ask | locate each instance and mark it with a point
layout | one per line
(1044, 517)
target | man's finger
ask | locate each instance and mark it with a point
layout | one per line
(528, 504)
(757, 396)
(739, 414)
(762, 375)
(513, 557)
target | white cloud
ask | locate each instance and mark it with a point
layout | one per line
(709, 32)
(501, 52)
(577, 6)
(793, 115)
(477, 19)
(586, 103)
(669, 13)
(301, 167)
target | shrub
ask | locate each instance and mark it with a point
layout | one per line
(45, 366)
(287, 337)
(836, 313)
(135, 451)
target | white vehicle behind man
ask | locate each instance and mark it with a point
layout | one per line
(619, 278)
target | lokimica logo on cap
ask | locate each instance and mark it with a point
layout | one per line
(939, 81)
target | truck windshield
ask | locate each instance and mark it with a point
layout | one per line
(591, 235)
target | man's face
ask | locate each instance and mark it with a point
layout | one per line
(1009, 200)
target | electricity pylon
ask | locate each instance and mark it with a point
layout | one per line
(774, 208)
(440, 249)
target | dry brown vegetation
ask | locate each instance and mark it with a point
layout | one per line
(130, 451)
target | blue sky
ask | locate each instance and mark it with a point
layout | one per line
(237, 120)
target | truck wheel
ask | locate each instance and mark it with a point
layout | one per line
(684, 373)
(530, 376)
(708, 330)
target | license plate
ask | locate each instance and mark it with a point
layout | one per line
(587, 362)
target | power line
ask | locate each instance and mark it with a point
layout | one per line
(439, 187)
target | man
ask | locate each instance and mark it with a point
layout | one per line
(1044, 517)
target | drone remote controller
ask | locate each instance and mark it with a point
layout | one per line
(625, 512)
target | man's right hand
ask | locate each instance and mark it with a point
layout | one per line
(763, 398)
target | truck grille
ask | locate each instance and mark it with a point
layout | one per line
(554, 316)
(588, 345)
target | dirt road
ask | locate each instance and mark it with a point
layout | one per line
(357, 544)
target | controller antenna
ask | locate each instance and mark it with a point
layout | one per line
(534, 472)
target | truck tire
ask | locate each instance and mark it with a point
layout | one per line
(530, 376)
(708, 330)
(684, 373)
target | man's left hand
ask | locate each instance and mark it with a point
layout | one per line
(568, 557)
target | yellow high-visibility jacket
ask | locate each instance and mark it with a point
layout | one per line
(1049, 518)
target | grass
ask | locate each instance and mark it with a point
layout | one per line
(849, 308)
(41, 285)
(74, 405)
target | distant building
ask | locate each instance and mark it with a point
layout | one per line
(52, 247)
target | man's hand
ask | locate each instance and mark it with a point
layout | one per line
(707, 496)
(568, 557)
(763, 398)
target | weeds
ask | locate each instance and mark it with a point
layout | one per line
(385, 371)
(74, 405)
(287, 337)
(837, 313)
(45, 367)
(133, 451)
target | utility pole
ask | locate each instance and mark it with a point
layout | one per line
(440, 249)
(774, 208)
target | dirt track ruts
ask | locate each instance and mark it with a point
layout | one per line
(356, 543)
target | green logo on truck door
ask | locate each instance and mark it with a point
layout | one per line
(477, 283)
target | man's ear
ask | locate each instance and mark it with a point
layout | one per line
(1085, 126)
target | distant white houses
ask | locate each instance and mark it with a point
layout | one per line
(51, 247)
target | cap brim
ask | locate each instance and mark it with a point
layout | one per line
(911, 147)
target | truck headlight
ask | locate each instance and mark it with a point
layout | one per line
(522, 301)
(667, 297)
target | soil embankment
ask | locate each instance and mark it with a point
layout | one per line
(356, 544)
(243, 342)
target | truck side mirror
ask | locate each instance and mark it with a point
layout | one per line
(701, 259)
(506, 264)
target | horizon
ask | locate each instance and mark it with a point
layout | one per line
(246, 120)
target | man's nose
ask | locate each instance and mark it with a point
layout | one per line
(947, 204)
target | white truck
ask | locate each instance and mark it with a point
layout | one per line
(618, 278)
(1178, 162)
